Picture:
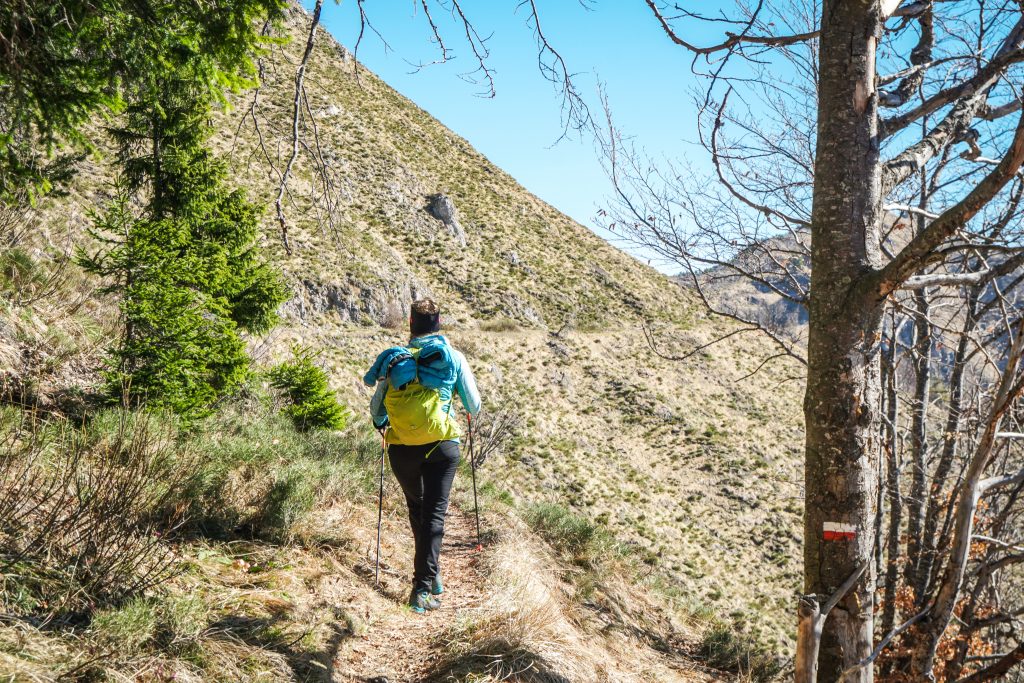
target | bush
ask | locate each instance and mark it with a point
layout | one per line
(17, 270)
(724, 647)
(84, 510)
(260, 476)
(312, 404)
(569, 533)
(501, 324)
(170, 624)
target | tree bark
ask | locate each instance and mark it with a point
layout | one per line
(922, 357)
(841, 399)
(891, 450)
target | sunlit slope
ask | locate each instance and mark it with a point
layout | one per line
(695, 464)
(385, 158)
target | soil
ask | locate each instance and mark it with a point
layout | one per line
(403, 646)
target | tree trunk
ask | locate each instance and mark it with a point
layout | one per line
(891, 450)
(840, 406)
(922, 357)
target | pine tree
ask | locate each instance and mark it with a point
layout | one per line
(185, 262)
(62, 64)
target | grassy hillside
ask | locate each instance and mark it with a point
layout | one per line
(522, 259)
(691, 463)
(693, 466)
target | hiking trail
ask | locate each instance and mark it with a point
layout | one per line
(400, 646)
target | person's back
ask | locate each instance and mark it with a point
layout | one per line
(414, 404)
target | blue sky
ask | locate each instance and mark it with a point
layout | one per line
(618, 43)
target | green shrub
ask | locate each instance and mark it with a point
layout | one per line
(18, 270)
(312, 404)
(297, 489)
(501, 324)
(171, 624)
(261, 476)
(570, 533)
(724, 647)
(131, 627)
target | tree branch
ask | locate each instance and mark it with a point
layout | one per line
(999, 669)
(982, 80)
(921, 250)
(300, 75)
(733, 39)
(964, 279)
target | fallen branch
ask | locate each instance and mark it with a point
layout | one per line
(812, 616)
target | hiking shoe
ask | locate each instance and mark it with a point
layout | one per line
(436, 587)
(421, 601)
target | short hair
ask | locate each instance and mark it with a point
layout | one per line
(424, 317)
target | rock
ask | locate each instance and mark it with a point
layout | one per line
(665, 413)
(567, 384)
(343, 52)
(442, 208)
(517, 309)
(516, 261)
(384, 304)
(396, 193)
(602, 274)
(559, 349)
(499, 377)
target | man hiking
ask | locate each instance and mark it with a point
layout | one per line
(414, 403)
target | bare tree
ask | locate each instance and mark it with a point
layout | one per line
(871, 141)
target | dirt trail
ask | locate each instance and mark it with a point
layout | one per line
(402, 646)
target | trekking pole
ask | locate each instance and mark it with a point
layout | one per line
(472, 466)
(380, 507)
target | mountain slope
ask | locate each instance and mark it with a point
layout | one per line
(694, 464)
(387, 159)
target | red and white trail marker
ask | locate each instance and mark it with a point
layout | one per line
(838, 531)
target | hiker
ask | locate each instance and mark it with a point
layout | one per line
(414, 403)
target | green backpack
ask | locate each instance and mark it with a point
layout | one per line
(417, 412)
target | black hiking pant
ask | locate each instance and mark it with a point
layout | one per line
(425, 474)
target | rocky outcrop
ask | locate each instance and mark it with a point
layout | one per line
(381, 303)
(442, 208)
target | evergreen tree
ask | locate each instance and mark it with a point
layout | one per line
(185, 261)
(63, 63)
(311, 403)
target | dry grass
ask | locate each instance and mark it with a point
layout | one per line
(532, 630)
(521, 633)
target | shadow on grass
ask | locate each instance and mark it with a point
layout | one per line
(502, 659)
(365, 571)
(265, 633)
